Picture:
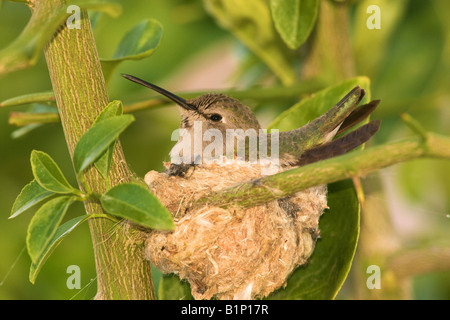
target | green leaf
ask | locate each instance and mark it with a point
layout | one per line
(44, 223)
(138, 43)
(113, 109)
(59, 235)
(330, 263)
(251, 22)
(316, 105)
(137, 204)
(103, 164)
(294, 19)
(97, 139)
(172, 288)
(48, 175)
(30, 195)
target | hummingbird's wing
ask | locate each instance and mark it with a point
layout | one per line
(341, 145)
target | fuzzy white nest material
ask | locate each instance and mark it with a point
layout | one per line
(232, 253)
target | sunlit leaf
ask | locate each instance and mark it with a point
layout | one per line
(137, 204)
(294, 19)
(97, 139)
(30, 195)
(44, 223)
(48, 174)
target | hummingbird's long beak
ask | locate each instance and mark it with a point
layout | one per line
(178, 100)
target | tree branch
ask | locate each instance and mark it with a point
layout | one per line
(357, 163)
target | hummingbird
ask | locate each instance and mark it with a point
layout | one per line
(310, 143)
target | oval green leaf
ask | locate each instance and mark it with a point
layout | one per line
(137, 204)
(103, 163)
(44, 223)
(97, 139)
(138, 43)
(294, 19)
(62, 231)
(30, 195)
(113, 109)
(48, 175)
(330, 263)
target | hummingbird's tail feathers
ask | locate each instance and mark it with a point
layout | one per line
(358, 115)
(341, 145)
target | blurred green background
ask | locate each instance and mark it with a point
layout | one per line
(407, 60)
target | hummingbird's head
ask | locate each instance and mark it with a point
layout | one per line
(216, 111)
(220, 112)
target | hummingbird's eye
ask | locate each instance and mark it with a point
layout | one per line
(216, 117)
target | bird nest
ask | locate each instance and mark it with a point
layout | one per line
(232, 253)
